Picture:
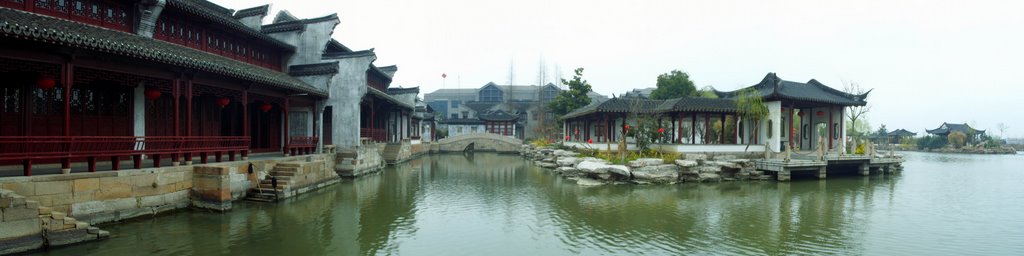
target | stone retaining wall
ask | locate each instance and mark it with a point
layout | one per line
(108, 196)
(589, 171)
(360, 160)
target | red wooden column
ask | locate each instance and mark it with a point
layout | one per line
(287, 140)
(176, 94)
(69, 80)
(188, 111)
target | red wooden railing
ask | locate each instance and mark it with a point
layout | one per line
(65, 148)
(301, 145)
(376, 135)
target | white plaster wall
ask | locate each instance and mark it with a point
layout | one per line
(774, 114)
(346, 92)
(309, 42)
(254, 22)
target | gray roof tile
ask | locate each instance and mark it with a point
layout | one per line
(34, 27)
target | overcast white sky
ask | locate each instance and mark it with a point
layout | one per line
(928, 61)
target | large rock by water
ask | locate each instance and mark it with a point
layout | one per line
(707, 177)
(645, 162)
(666, 173)
(696, 157)
(591, 167)
(548, 165)
(724, 164)
(707, 169)
(620, 170)
(561, 153)
(568, 171)
(686, 163)
(568, 161)
(602, 170)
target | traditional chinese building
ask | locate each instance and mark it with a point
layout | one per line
(898, 135)
(689, 124)
(946, 128)
(173, 81)
(496, 122)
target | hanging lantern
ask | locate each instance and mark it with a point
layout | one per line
(661, 130)
(801, 114)
(566, 137)
(627, 127)
(266, 107)
(590, 141)
(223, 102)
(577, 131)
(820, 113)
(45, 82)
(152, 93)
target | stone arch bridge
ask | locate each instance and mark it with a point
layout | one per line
(479, 142)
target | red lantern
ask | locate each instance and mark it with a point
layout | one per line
(566, 137)
(801, 114)
(627, 127)
(590, 141)
(223, 102)
(577, 131)
(266, 107)
(46, 83)
(821, 113)
(661, 130)
(152, 93)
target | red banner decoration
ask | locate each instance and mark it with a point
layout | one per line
(821, 113)
(266, 107)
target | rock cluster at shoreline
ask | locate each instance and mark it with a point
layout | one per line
(590, 171)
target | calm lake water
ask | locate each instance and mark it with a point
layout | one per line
(488, 204)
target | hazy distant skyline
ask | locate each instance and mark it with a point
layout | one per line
(928, 61)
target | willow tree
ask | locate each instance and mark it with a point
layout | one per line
(750, 105)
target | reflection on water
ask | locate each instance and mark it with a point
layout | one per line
(488, 204)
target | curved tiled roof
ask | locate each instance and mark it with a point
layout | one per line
(292, 25)
(224, 16)
(313, 69)
(946, 128)
(902, 132)
(385, 96)
(34, 27)
(772, 87)
(647, 106)
(258, 10)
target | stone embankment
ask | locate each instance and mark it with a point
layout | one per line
(590, 171)
(26, 226)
